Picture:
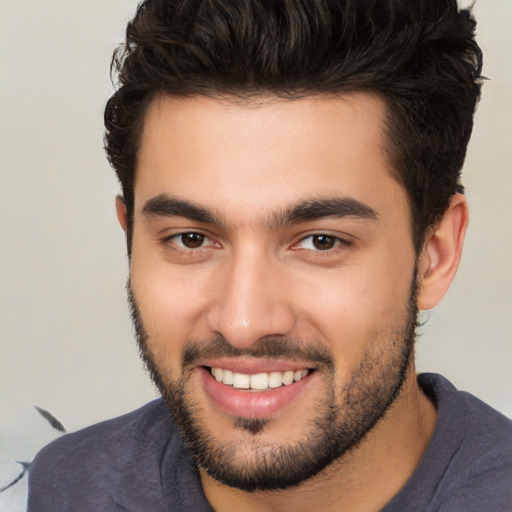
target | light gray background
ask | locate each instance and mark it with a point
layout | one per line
(66, 339)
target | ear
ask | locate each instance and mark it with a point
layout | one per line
(121, 212)
(441, 253)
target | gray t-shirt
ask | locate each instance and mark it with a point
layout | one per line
(138, 463)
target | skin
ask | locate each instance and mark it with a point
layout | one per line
(252, 279)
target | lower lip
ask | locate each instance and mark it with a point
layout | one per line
(252, 404)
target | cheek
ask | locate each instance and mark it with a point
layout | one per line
(170, 304)
(355, 310)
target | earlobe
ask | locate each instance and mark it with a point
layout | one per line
(121, 212)
(441, 253)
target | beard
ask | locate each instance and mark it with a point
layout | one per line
(343, 417)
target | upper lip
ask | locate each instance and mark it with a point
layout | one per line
(252, 366)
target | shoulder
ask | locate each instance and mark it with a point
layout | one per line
(472, 449)
(482, 426)
(106, 442)
(85, 467)
(467, 465)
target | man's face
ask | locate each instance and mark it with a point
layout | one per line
(272, 279)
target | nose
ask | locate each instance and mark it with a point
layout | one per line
(252, 301)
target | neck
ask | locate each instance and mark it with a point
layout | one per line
(365, 478)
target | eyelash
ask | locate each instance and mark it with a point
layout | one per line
(181, 250)
(340, 244)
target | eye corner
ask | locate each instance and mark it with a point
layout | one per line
(189, 244)
(321, 243)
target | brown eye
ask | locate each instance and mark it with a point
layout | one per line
(192, 240)
(323, 242)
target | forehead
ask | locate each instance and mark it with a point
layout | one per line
(256, 156)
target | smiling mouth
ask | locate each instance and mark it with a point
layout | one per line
(258, 381)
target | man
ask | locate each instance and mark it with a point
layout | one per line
(291, 199)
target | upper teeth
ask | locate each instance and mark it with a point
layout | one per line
(259, 380)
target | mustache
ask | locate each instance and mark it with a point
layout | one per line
(268, 347)
(271, 347)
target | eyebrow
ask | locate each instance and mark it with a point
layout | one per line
(165, 205)
(320, 208)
